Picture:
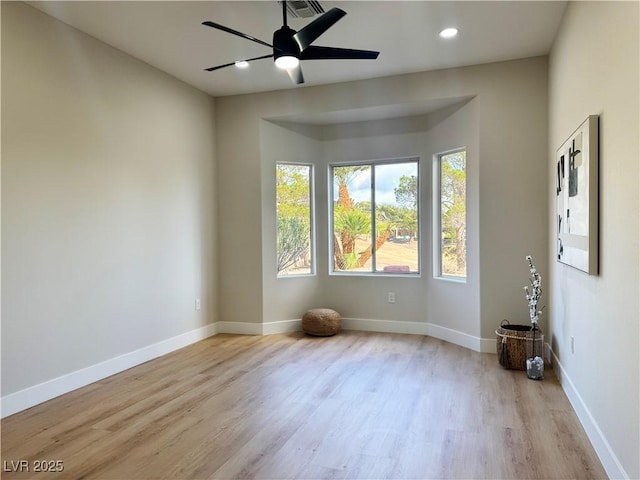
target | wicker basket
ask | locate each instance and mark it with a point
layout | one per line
(511, 344)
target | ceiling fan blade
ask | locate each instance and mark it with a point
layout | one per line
(235, 32)
(309, 33)
(295, 74)
(211, 69)
(332, 53)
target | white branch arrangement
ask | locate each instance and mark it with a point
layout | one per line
(534, 295)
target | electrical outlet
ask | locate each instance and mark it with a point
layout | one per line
(197, 304)
(573, 345)
(391, 297)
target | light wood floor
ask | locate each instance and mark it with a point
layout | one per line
(354, 406)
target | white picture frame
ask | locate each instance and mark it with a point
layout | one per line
(577, 198)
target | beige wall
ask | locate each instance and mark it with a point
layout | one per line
(108, 202)
(594, 70)
(511, 111)
(113, 207)
(449, 304)
(119, 195)
(285, 298)
(425, 299)
(110, 218)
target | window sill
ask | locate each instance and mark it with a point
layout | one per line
(300, 275)
(376, 274)
(452, 279)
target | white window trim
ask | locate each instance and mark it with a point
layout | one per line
(437, 218)
(312, 219)
(330, 190)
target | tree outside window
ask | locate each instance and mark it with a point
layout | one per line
(453, 214)
(375, 218)
(294, 219)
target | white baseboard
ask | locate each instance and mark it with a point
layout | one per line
(456, 337)
(605, 453)
(484, 345)
(368, 325)
(267, 328)
(282, 326)
(31, 396)
(384, 326)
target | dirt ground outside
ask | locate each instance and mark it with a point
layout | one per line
(390, 253)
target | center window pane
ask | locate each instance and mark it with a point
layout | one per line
(375, 218)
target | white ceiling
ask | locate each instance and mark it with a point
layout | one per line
(169, 36)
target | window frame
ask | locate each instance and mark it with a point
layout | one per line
(312, 223)
(330, 197)
(437, 216)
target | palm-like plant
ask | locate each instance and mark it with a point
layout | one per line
(349, 223)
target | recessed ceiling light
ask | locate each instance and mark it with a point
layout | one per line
(449, 32)
(242, 64)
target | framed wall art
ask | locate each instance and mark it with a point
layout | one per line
(577, 198)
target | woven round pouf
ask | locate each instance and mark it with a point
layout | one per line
(321, 322)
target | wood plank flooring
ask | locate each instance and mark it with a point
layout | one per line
(355, 406)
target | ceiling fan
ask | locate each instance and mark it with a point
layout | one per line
(289, 46)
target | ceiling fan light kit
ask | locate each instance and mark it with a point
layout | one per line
(287, 61)
(290, 47)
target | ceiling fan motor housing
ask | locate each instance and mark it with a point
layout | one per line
(284, 44)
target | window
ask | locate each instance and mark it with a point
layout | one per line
(374, 217)
(294, 211)
(450, 210)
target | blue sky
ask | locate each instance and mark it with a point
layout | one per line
(387, 178)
